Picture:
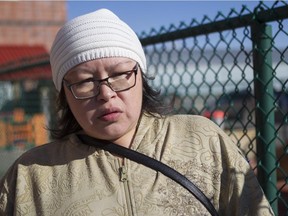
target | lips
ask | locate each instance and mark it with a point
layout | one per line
(111, 114)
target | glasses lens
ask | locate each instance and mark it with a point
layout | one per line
(83, 90)
(122, 82)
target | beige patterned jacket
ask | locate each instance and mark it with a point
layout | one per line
(67, 177)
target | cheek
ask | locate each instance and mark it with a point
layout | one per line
(84, 115)
(80, 109)
(134, 101)
(133, 105)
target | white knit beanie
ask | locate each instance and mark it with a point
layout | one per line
(99, 34)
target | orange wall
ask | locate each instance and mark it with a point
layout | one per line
(30, 22)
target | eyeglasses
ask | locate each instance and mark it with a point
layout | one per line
(89, 88)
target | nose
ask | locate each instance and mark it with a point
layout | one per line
(105, 92)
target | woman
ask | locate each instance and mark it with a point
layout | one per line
(99, 67)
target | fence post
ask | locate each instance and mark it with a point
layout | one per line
(265, 122)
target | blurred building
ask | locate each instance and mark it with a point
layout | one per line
(27, 30)
(30, 22)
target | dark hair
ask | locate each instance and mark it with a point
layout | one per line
(67, 124)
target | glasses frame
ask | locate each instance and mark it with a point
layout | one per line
(134, 70)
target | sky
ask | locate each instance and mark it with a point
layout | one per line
(145, 15)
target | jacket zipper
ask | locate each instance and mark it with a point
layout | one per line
(124, 179)
(123, 174)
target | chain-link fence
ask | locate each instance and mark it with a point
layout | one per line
(232, 69)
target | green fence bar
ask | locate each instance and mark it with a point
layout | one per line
(265, 130)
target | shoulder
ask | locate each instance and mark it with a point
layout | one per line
(193, 122)
(42, 153)
(182, 124)
(46, 158)
(203, 130)
(49, 154)
(188, 118)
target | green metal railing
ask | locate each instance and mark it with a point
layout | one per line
(235, 65)
(265, 123)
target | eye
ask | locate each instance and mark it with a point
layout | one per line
(85, 81)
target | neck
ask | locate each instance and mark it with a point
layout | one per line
(125, 140)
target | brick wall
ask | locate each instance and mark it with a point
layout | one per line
(30, 22)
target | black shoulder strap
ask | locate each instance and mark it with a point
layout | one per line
(153, 164)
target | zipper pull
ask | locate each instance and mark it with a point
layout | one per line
(123, 174)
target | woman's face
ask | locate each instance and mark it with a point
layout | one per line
(110, 115)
